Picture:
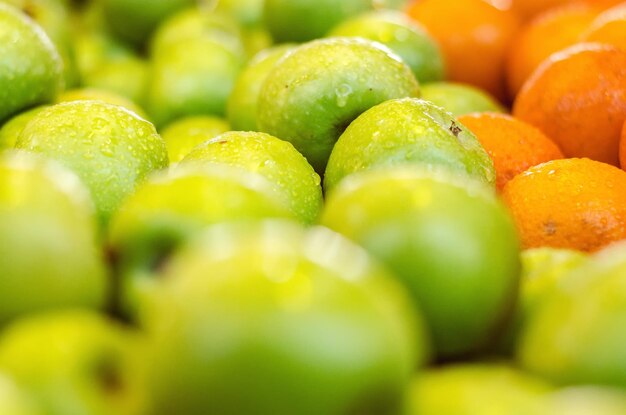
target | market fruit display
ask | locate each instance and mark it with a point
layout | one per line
(299, 207)
(313, 94)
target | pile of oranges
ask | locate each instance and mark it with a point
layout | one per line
(560, 68)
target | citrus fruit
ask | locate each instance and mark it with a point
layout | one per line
(608, 27)
(459, 26)
(570, 203)
(577, 97)
(273, 319)
(478, 388)
(275, 159)
(459, 99)
(421, 225)
(577, 336)
(409, 132)
(513, 145)
(183, 135)
(547, 33)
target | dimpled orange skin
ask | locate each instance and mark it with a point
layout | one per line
(549, 32)
(513, 145)
(578, 98)
(474, 36)
(569, 203)
(608, 27)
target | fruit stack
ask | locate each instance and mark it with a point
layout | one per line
(298, 207)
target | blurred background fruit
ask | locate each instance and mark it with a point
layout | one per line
(172, 206)
(460, 99)
(251, 308)
(421, 226)
(474, 36)
(49, 240)
(31, 68)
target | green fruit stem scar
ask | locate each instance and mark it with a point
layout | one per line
(315, 92)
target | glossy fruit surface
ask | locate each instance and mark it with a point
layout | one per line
(111, 150)
(275, 159)
(319, 88)
(460, 99)
(183, 135)
(569, 203)
(410, 132)
(578, 99)
(513, 145)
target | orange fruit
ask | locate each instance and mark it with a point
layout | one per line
(622, 147)
(474, 36)
(608, 27)
(569, 203)
(527, 9)
(513, 145)
(578, 98)
(541, 37)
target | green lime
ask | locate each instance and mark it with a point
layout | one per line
(110, 148)
(174, 205)
(183, 135)
(403, 36)
(460, 99)
(271, 319)
(277, 160)
(409, 132)
(477, 389)
(451, 242)
(578, 335)
(31, 70)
